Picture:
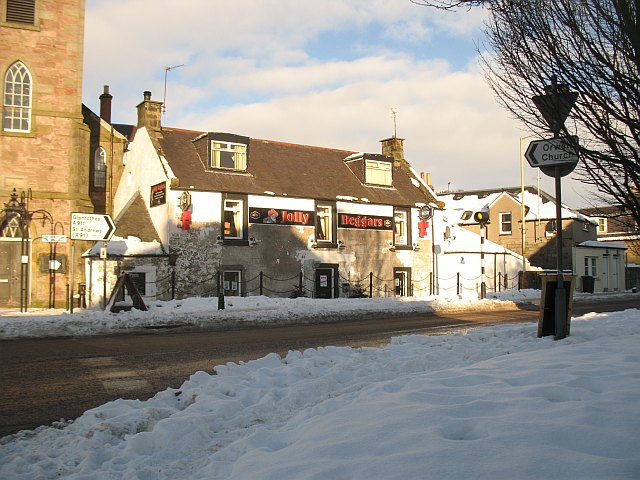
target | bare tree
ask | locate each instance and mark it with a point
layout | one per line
(592, 46)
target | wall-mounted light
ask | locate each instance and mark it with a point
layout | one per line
(341, 244)
(416, 247)
(253, 241)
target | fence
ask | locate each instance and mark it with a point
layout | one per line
(300, 285)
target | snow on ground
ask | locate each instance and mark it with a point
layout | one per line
(493, 403)
(203, 312)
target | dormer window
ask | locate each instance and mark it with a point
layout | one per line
(228, 155)
(378, 172)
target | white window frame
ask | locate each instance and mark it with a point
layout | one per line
(504, 222)
(401, 227)
(16, 107)
(590, 266)
(378, 172)
(324, 219)
(602, 225)
(100, 168)
(234, 207)
(223, 152)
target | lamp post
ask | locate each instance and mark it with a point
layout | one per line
(17, 213)
(522, 207)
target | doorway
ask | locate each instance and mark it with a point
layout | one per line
(326, 281)
(402, 281)
(10, 273)
(232, 281)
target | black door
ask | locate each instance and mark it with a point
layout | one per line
(324, 283)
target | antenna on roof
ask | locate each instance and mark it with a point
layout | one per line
(394, 114)
(167, 70)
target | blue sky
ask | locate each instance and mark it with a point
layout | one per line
(324, 73)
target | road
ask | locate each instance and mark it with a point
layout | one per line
(45, 380)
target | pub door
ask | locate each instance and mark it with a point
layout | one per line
(402, 280)
(325, 279)
(9, 274)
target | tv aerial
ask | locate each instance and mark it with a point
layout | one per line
(164, 99)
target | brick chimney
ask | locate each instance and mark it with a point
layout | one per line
(149, 112)
(393, 147)
(105, 105)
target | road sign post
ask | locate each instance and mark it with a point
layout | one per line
(92, 227)
(556, 157)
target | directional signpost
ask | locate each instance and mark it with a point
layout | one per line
(552, 152)
(556, 157)
(91, 226)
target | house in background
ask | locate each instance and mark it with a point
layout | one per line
(617, 226)
(598, 265)
(254, 216)
(505, 226)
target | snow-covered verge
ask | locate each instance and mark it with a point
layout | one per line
(495, 403)
(256, 310)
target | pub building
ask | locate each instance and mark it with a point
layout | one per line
(255, 217)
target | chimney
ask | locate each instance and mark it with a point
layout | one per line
(149, 112)
(426, 178)
(105, 105)
(393, 147)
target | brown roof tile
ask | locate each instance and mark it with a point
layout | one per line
(283, 168)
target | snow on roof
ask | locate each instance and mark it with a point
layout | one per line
(538, 207)
(597, 244)
(129, 246)
(463, 240)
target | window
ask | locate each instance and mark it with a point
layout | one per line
(100, 168)
(228, 155)
(505, 223)
(233, 219)
(550, 230)
(324, 223)
(602, 225)
(16, 106)
(590, 266)
(401, 228)
(21, 11)
(378, 173)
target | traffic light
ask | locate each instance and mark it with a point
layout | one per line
(481, 217)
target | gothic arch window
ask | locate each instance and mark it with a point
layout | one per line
(16, 100)
(100, 168)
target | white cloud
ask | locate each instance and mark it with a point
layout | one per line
(249, 70)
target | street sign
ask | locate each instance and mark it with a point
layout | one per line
(553, 151)
(91, 226)
(54, 238)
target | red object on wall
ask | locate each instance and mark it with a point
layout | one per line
(185, 220)
(422, 228)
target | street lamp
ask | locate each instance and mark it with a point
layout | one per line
(17, 215)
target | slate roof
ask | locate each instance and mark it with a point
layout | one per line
(284, 169)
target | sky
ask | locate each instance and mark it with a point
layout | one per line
(325, 73)
(489, 403)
